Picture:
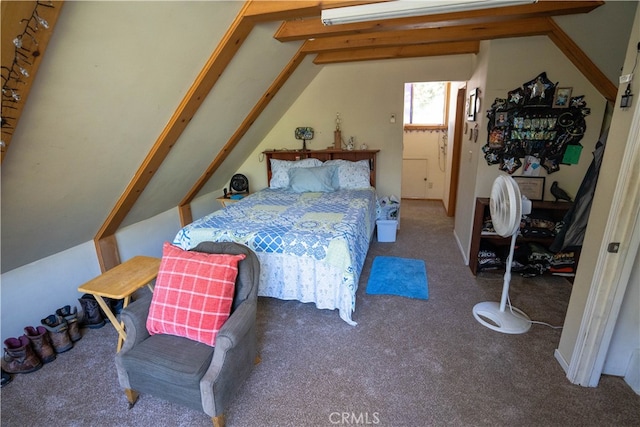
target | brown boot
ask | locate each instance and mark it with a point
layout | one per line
(19, 357)
(71, 316)
(92, 315)
(58, 332)
(41, 343)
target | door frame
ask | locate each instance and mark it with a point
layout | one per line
(456, 152)
(612, 272)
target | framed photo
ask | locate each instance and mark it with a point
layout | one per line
(562, 97)
(502, 118)
(472, 103)
(532, 187)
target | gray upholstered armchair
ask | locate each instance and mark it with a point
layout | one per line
(188, 372)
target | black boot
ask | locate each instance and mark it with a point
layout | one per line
(92, 315)
(6, 378)
(116, 305)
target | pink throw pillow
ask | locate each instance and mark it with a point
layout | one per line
(193, 294)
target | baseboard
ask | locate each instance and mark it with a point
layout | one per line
(632, 376)
(465, 257)
(563, 363)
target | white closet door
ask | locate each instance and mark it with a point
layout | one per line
(414, 178)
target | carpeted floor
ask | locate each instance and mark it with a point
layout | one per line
(408, 362)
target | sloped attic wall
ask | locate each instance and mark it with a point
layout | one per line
(602, 34)
(236, 162)
(247, 77)
(113, 75)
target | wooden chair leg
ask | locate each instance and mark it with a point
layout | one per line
(218, 421)
(132, 396)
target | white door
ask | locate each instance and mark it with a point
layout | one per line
(414, 178)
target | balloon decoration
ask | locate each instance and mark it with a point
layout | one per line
(538, 120)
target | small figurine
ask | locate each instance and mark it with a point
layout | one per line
(559, 193)
(351, 144)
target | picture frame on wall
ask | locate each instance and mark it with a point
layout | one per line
(472, 104)
(502, 119)
(562, 97)
(532, 187)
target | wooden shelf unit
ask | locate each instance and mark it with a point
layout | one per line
(555, 210)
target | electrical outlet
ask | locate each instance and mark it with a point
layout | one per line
(430, 185)
(626, 78)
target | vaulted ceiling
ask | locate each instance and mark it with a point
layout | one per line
(417, 36)
(298, 26)
(441, 34)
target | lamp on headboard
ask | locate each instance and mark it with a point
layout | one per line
(304, 134)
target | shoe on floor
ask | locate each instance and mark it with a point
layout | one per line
(19, 357)
(6, 378)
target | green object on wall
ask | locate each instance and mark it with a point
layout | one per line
(572, 154)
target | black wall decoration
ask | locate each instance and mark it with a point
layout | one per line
(538, 119)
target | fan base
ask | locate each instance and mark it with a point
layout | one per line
(509, 321)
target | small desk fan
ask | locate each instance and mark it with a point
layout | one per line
(506, 207)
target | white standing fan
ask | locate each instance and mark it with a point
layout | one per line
(506, 208)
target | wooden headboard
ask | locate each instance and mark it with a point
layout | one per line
(324, 155)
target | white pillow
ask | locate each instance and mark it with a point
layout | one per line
(280, 170)
(316, 179)
(351, 175)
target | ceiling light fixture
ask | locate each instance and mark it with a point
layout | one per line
(405, 8)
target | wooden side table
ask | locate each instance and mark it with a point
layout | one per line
(120, 283)
(225, 201)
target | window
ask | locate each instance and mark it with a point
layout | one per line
(426, 105)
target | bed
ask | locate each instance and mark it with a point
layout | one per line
(311, 244)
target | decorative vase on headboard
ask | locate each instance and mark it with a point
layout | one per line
(337, 134)
(337, 140)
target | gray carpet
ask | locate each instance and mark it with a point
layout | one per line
(407, 363)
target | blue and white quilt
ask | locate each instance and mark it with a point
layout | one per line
(311, 246)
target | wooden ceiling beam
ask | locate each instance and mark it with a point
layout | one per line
(263, 11)
(396, 52)
(304, 29)
(18, 19)
(184, 206)
(237, 33)
(582, 62)
(266, 11)
(519, 28)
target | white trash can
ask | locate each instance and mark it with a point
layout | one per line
(387, 230)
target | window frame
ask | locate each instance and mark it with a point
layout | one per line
(423, 127)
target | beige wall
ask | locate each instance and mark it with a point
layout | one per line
(618, 137)
(365, 95)
(515, 61)
(509, 64)
(425, 147)
(470, 152)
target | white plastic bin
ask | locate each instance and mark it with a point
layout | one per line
(387, 230)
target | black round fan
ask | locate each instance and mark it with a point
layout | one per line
(239, 184)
